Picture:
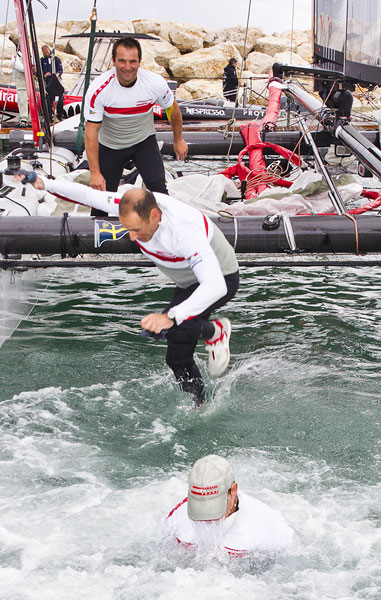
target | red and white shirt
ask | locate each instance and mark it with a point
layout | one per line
(255, 527)
(187, 246)
(126, 113)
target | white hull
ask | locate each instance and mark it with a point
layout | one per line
(20, 289)
(19, 294)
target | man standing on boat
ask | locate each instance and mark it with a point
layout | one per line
(52, 72)
(119, 121)
(190, 250)
(22, 96)
(230, 80)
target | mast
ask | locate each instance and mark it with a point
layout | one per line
(41, 86)
(24, 45)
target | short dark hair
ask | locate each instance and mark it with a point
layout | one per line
(142, 205)
(127, 42)
(232, 61)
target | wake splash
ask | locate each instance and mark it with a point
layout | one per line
(82, 519)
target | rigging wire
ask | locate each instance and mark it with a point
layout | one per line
(292, 29)
(54, 39)
(231, 121)
(13, 66)
(54, 103)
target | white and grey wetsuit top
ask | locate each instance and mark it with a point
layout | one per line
(126, 113)
(255, 527)
(186, 246)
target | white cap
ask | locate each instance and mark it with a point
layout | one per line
(209, 482)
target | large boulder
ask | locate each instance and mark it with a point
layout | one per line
(305, 51)
(149, 63)
(184, 40)
(161, 50)
(6, 70)
(271, 45)
(167, 28)
(290, 58)
(78, 47)
(45, 36)
(202, 88)
(298, 37)
(70, 63)
(183, 94)
(7, 47)
(8, 28)
(236, 36)
(119, 26)
(206, 62)
(74, 27)
(259, 62)
(147, 26)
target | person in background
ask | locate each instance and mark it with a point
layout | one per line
(119, 121)
(216, 513)
(22, 97)
(230, 80)
(54, 88)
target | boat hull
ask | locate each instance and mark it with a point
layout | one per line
(324, 234)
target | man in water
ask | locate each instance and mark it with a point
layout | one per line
(193, 252)
(119, 121)
(216, 514)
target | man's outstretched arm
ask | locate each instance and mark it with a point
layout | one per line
(179, 144)
(77, 193)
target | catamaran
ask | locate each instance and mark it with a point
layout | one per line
(283, 197)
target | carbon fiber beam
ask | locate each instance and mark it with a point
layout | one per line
(315, 234)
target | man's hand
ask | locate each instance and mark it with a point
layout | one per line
(38, 183)
(181, 149)
(156, 322)
(47, 74)
(97, 181)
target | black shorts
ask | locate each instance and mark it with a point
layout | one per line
(146, 158)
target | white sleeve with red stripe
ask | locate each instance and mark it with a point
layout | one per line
(165, 97)
(83, 194)
(94, 107)
(206, 268)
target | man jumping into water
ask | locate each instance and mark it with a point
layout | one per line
(193, 252)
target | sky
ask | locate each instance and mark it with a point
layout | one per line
(270, 15)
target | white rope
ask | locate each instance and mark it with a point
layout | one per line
(289, 232)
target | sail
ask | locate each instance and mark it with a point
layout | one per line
(363, 50)
(347, 38)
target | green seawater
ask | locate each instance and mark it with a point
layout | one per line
(97, 440)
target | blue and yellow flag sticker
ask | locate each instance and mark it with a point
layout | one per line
(107, 232)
